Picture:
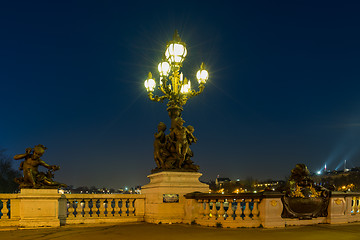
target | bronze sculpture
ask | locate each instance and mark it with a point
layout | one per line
(172, 152)
(32, 178)
(304, 199)
(159, 145)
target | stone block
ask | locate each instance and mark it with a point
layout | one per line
(41, 208)
(170, 184)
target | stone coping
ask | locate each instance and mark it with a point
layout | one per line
(266, 194)
(198, 195)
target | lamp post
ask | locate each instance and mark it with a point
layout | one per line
(172, 151)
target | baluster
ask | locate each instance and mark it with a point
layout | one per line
(116, 207)
(207, 209)
(255, 211)
(238, 210)
(247, 210)
(4, 210)
(80, 208)
(213, 210)
(353, 205)
(221, 211)
(87, 208)
(131, 207)
(110, 208)
(230, 211)
(356, 205)
(201, 210)
(71, 208)
(123, 207)
(102, 208)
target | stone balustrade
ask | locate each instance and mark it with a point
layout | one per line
(97, 208)
(36, 208)
(355, 208)
(44, 209)
(9, 210)
(262, 210)
(355, 205)
(226, 210)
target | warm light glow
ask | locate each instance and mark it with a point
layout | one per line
(176, 53)
(173, 84)
(202, 75)
(150, 83)
(348, 187)
(164, 68)
(186, 88)
(237, 190)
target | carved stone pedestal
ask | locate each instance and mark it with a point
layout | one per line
(339, 210)
(41, 208)
(165, 200)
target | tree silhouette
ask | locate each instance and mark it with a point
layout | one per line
(7, 174)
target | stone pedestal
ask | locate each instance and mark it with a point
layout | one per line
(270, 209)
(41, 208)
(339, 209)
(165, 200)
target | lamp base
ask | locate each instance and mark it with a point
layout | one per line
(165, 201)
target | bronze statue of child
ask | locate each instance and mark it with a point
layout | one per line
(159, 144)
(32, 177)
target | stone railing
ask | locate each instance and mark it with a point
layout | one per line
(355, 208)
(97, 208)
(47, 208)
(9, 210)
(232, 210)
(344, 207)
(355, 205)
(262, 210)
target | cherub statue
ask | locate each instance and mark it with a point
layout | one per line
(179, 135)
(32, 177)
(190, 134)
(172, 152)
(159, 144)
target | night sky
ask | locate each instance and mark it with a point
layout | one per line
(283, 88)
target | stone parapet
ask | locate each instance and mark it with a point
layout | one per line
(41, 208)
(165, 201)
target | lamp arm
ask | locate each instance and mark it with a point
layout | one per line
(165, 88)
(156, 98)
(194, 93)
(162, 89)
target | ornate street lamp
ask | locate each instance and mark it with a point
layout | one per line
(172, 151)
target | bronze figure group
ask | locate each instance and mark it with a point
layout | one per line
(32, 177)
(172, 151)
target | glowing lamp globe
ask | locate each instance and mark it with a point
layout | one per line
(186, 88)
(164, 68)
(202, 75)
(176, 53)
(150, 83)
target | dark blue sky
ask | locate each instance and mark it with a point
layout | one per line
(283, 88)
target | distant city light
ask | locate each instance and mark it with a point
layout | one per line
(319, 172)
